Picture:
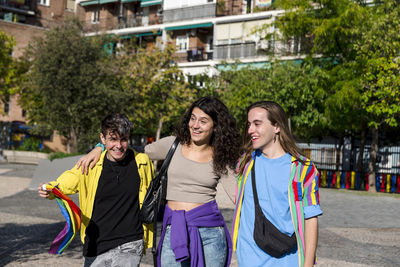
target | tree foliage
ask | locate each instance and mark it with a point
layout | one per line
(7, 71)
(297, 87)
(360, 43)
(67, 87)
(156, 89)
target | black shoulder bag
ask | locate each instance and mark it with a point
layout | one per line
(266, 235)
(155, 196)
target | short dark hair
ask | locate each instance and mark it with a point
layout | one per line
(116, 124)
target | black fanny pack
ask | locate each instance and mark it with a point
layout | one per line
(266, 235)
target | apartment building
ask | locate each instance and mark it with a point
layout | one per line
(206, 32)
(24, 20)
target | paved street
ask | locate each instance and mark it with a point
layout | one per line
(357, 229)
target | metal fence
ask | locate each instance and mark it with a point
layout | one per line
(339, 168)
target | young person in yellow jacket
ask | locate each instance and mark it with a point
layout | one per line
(110, 198)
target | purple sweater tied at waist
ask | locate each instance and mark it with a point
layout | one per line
(185, 234)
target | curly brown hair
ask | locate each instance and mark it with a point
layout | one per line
(225, 140)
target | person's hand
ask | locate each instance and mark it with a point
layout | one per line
(89, 160)
(42, 192)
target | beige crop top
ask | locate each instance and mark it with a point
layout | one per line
(188, 180)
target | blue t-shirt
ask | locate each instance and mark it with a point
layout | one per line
(272, 180)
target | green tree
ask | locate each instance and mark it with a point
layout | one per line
(7, 71)
(360, 43)
(68, 87)
(156, 89)
(295, 86)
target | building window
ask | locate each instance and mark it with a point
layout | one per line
(70, 5)
(44, 2)
(182, 42)
(96, 16)
(7, 106)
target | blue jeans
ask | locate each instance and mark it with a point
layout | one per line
(128, 254)
(215, 249)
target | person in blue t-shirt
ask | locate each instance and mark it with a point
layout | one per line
(287, 189)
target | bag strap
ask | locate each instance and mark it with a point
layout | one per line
(164, 168)
(253, 183)
(258, 207)
(167, 160)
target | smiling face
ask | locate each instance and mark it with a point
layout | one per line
(260, 129)
(201, 127)
(115, 145)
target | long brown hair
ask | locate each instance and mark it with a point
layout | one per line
(277, 116)
(225, 140)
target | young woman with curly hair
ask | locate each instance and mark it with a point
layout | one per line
(194, 232)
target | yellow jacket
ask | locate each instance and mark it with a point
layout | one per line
(73, 181)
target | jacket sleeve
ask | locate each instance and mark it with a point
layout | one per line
(68, 182)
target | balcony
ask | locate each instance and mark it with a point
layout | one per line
(122, 23)
(23, 7)
(190, 13)
(233, 51)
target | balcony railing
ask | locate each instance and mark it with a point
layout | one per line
(23, 7)
(124, 22)
(232, 51)
(189, 13)
(198, 54)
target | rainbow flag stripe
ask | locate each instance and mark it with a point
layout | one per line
(72, 215)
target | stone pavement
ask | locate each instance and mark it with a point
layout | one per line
(357, 229)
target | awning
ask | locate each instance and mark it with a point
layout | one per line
(148, 33)
(190, 26)
(97, 2)
(144, 3)
(129, 36)
(129, 1)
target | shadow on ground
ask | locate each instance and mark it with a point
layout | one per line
(22, 243)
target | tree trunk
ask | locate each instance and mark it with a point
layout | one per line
(158, 135)
(372, 160)
(159, 128)
(73, 141)
(338, 154)
(363, 140)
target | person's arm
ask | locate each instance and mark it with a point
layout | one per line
(311, 212)
(44, 193)
(89, 160)
(156, 151)
(311, 240)
(228, 181)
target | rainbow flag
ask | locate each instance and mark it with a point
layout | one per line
(72, 215)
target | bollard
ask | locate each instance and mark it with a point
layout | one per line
(388, 183)
(358, 182)
(378, 182)
(333, 179)
(382, 181)
(338, 180)
(352, 179)
(367, 181)
(398, 184)
(329, 178)
(323, 178)
(347, 180)
(343, 179)
(393, 183)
